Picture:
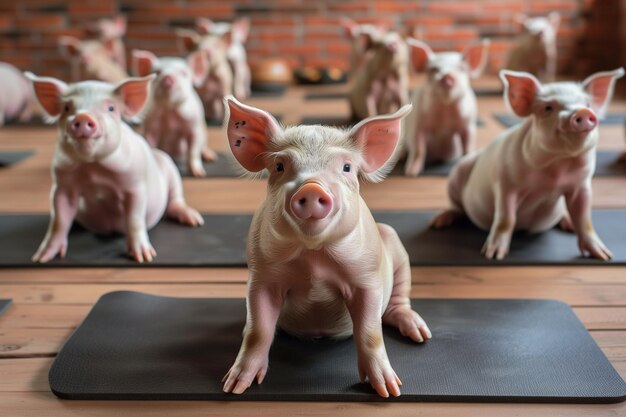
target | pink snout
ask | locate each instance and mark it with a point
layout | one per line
(583, 120)
(167, 82)
(448, 81)
(311, 201)
(82, 126)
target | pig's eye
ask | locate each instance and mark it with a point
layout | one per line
(548, 108)
(111, 108)
(67, 108)
(280, 167)
(346, 167)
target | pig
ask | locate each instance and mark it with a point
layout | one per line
(443, 125)
(319, 265)
(91, 60)
(235, 35)
(535, 50)
(16, 96)
(219, 80)
(361, 36)
(104, 175)
(174, 121)
(110, 33)
(537, 174)
(381, 84)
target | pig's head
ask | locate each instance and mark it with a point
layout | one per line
(540, 29)
(236, 32)
(108, 29)
(313, 188)
(175, 77)
(566, 114)
(449, 73)
(390, 48)
(75, 49)
(89, 113)
(362, 35)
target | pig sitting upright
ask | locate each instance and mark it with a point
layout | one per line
(535, 50)
(110, 33)
(443, 125)
(16, 95)
(361, 36)
(105, 175)
(536, 174)
(174, 121)
(91, 60)
(320, 266)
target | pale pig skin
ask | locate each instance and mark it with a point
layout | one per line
(104, 175)
(320, 266)
(174, 120)
(16, 98)
(536, 50)
(443, 125)
(91, 60)
(381, 84)
(536, 174)
(360, 36)
(110, 33)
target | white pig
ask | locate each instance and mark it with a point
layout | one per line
(536, 51)
(443, 125)
(174, 121)
(16, 95)
(537, 174)
(104, 175)
(91, 60)
(320, 266)
(381, 84)
(110, 32)
(361, 36)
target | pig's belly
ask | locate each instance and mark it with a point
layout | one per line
(443, 146)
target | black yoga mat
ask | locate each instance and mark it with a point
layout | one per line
(134, 346)
(4, 305)
(488, 92)
(224, 167)
(8, 158)
(509, 120)
(607, 164)
(221, 242)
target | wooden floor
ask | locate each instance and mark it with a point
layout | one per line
(49, 304)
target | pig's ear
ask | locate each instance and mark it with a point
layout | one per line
(120, 25)
(600, 86)
(69, 46)
(520, 89)
(48, 92)
(188, 40)
(204, 25)
(555, 20)
(349, 27)
(198, 62)
(134, 94)
(476, 57)
(241, 29)
(143, 62)
(420, 54)
(248, 130)
(378, 138)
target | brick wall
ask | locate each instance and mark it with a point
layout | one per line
(306, 32)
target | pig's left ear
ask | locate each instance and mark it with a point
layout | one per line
(204, 25)
(198, 62)
(134, 94)
(520, 89)
(248, 130)
(600, 86)
(241, 29)
(188, 40)
(476, 57)
(555, 20)
(48, 91)
(378, 137)
(143, 62)
(420, 54)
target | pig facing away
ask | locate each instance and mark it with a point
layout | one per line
(16, 95)
(91, 60)
(104, 175)
(234, 35)
(537, 174)
(174, 120)
(381, 83)
(110, 32)
(535, 51)
(443, 125)
(361, 36)
(320, 266)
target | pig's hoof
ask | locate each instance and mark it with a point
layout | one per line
(142, 252)
(496, 247)
(445, 218)
(409, 323)
(594, 246)
(414, 169)
(381, 376)
(209, 155)
(47, 251)
(197, 170)
(184, 214)
(239, 378)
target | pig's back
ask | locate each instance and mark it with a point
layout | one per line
(15, 91)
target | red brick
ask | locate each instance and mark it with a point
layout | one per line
(34, 21)
(101, 8)
(350, 7)
(397, 6)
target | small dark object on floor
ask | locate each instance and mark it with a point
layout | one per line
(320, 76)
(4, 305)
(8, 158)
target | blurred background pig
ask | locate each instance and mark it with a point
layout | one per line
(110, 32)
(360, 36)
(91, 60)
(17, 101)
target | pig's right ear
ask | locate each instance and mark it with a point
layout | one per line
(600, 87)
(248, 130)
(204, 25)
(134, 94)
(143, 62)
(69, 46)
(48, 92)
(420, 54)
(188, 40)
(520, 89)
(198, 62)
(349, 27)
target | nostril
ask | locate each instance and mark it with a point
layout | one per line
(578, 120)
(91, 124)
(322, 201)
(302, 201)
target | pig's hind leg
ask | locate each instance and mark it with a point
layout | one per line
(399, 313)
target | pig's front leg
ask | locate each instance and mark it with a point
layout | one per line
(194, 156)
(364, 306)
(62, 214)
(468, 137)
(579, 206)
(138, 243)
(504, 218)
(417, 154)
(264, 305)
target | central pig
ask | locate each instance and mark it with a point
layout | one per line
(320, 266)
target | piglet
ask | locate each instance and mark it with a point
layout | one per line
(361, 36)
(235, 35)
(110, 32)
(320, 266)
(104, 175)
(174, 121)
(16, 95)
(535, 51)
(537, 174)
(443, 125)
(91, 60)
(381, 84)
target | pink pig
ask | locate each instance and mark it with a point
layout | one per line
(16, 95)
(536, 174)
(110, 32)
(105, 175)
(320, 266)
(535, 50)
(91, 60)
(381, 84)
(174, 121)
(443, 125)
(361, 36)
